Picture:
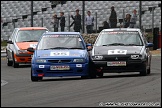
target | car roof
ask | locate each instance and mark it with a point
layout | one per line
(32, 28)
(122, 29)
(71, 33)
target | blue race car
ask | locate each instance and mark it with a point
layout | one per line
(60, 54)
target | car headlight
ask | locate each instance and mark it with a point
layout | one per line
(98, 57)
(78, 60)
(136, 56)
(22, 51)
(40, 61)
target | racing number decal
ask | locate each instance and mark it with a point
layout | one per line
(111, 52)
(33, 45)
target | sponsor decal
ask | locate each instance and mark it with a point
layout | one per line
(61, 36)
(78, 65)
(122, 32)
(41, 66)
(33, 45)
(44, 55)
(79, 39)
(74, 54)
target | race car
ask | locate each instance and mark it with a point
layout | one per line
(121, 50)
(60, 54)
(19, 41)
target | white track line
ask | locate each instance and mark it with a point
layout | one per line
(3, 82)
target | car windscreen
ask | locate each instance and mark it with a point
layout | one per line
(111, 38)
(60, 42)
(29, 35)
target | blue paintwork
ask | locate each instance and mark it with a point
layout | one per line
(73, 54)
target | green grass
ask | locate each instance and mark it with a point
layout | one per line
(3, 43)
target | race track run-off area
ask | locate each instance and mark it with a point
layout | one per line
(17, 90)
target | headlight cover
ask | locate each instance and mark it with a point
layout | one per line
(136, 56)
(22, 51)
(41, 61)
(79, 60)
(98, 57)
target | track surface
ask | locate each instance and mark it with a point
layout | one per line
(19, 91)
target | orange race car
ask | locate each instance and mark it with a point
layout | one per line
(18, 43)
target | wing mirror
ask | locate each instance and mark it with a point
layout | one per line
(89, 47)
(10, 42)
(149, 45)
(30, 49)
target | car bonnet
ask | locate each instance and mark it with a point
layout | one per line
(25, 45)
(106, 50)
(61, 53)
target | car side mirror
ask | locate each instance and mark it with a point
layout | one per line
(149, 45)
(9, 42)
(30, 49)
(89, 47)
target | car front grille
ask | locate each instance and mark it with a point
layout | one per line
(59, 61)
(117, 58)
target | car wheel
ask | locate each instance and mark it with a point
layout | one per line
(33, 78)
(84, 77)
(15, 65)
(149, 70)
(100, 74)
(144, 71)
(92, 71)
(9, 63)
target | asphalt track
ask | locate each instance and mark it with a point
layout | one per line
(19, 91)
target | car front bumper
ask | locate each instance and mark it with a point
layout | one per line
(131, 66)
(74, 70)
(23, 58)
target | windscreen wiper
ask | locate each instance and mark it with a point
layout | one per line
(132, 45)
(31, 41)
(56, 48)
(113, 44)
(75, 48)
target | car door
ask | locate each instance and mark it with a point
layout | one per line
(147, 49)
(10, 46)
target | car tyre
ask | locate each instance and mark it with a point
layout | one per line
(15, 65)
(84, 77)
(9, 63)
(100, 74)
(149, 70)
(144, 71)
(92, 71)
(34, 79)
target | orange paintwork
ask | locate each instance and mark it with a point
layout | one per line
(18, 59)
(25, 45)
(32, 28)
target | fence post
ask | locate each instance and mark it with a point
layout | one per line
(69, 22)
(13, 22)
(123, 15)
(96, 21)
(42, 22)
(83, 16)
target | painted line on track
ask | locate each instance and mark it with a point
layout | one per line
(3, 82)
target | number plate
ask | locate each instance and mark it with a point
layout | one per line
(59, 68)
(116, 63)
